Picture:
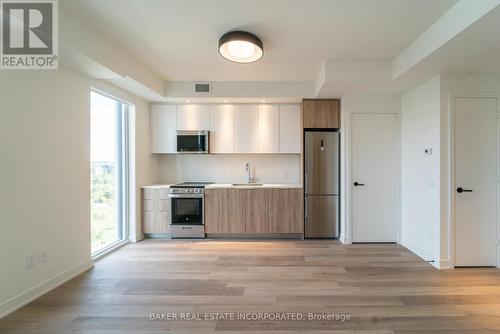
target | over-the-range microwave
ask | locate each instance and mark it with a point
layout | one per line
(193, 141)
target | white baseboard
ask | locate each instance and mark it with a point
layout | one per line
(110, 249)
(445, 265)
(420, 253)
(136, 238)
(31, 294)
(345, 240)
(498, 253)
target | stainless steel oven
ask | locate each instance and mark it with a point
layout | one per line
(193, 141)
(188, 210)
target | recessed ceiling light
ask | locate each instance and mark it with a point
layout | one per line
(241, 47)
(225, 101)
(263, 101)
(188, 101)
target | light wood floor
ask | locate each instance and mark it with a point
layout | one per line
(384, 288)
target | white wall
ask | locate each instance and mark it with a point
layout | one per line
(147, 165)
(229, 168)
(353, 104)
(420, 129)
(45, 178)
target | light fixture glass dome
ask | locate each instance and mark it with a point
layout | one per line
(241, 47)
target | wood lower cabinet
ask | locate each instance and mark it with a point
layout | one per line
(321, 113)
(285, 211)
(222, 212)
(254, 204)
(253, 211)
(156, 208)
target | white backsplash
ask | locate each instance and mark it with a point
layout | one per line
(229, 168)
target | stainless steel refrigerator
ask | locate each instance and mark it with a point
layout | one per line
(321, 184)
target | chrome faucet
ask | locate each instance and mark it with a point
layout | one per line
(247, 169)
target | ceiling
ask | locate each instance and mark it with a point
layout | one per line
(177, 39)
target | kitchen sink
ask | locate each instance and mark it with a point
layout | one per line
(247, 184)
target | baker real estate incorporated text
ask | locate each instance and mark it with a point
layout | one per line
(249, 316)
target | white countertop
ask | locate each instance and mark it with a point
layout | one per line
(230, 185)
(265, 185)
(157, 186)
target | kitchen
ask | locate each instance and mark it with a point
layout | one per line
(264, 198)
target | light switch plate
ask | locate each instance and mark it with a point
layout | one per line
(31, 261)
(43, 256)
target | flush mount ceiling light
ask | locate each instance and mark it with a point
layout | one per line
(241, 47)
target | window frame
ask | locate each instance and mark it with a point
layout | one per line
(122, 141)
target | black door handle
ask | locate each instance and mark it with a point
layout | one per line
(357, 184)
(462, 190)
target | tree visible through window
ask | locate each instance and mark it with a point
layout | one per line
(107, 170)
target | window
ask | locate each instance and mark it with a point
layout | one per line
(108, 171)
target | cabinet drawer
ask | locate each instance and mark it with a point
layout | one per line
(148, 205)
(162, 222)
(148, 221)
(148, 193)
(163, 193)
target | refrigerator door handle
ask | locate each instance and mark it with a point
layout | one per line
(305, 208)
(305, 183)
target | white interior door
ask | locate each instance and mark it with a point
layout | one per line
(375, 177)
(475, 181)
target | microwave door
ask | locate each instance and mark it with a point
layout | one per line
(189, 143)
(192, 142)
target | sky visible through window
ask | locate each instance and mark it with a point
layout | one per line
(103, 130)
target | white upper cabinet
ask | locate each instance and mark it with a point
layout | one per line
(269, 128)
(193, 117)
(246, 124)
(221, 128)
(234, 128)
(163, 125)
(290, 131)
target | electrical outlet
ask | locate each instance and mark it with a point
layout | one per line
(43, 256)
(31, 261)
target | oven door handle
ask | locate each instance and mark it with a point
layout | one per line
(185, 195)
